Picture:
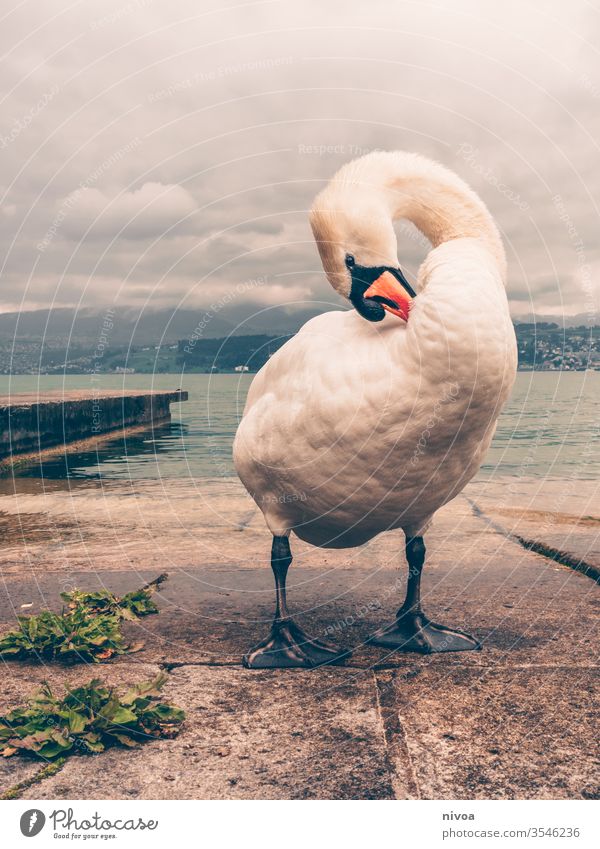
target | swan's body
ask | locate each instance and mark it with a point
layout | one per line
(356, 427)
(335, 442)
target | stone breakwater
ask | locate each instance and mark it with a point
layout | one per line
(35, 422)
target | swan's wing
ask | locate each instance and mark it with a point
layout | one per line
(326, 386)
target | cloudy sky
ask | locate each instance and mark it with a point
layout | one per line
(165, 154)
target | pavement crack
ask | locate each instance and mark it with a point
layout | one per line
(559, 556)
(46, 771)
(404, 781)
(168, 665)
(539, 547)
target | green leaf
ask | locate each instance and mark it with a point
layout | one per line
(52, 750)
(92, 743)
(123, 715)
(125, 739)
(77, 721)
(88, 719)
(88, 630)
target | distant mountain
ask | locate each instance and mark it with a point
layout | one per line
(86, 326)
(64, 341)
(279, 319)
(582, 319)
(83, 328)
(167, 326)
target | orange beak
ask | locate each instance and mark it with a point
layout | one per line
(392, 296)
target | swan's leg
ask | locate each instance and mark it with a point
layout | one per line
(287, 645)
(412, 630)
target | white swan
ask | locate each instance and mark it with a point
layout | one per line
(357, 425)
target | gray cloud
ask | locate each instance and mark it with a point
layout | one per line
(152, 210)
(184, 143)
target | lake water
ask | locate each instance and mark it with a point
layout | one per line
(549, 428)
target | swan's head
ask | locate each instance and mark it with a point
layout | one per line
(358, 249)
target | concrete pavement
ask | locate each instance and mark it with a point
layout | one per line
(515, 720)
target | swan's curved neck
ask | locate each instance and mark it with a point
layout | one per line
(437, 201)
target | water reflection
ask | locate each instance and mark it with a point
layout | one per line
(132, 455)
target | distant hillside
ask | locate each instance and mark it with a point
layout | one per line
(543, 345)
(582, 319)
(84, 327)
(128, 325)
(62, 341)
(249, 353)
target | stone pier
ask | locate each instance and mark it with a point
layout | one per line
(32, 423)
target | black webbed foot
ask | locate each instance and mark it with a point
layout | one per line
(288, 646)
(414, 632)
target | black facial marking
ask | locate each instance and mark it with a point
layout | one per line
(367, 307)
(364, 277)
(381, 300)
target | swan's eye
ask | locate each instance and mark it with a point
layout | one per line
(350, 261)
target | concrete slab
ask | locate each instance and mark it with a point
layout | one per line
(15, 771)
(75, 526)
(547, 618)
(267, 735)
(525, 608)
(563, 516)
(423, 731)
(494, 733)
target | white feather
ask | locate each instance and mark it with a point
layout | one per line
(353, 428)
